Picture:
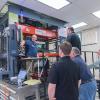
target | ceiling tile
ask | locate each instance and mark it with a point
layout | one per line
(2, 2)
(77, 11)
(88, 6)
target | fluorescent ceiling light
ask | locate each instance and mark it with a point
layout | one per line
(79, 25)
(57, 4)
(97, 14)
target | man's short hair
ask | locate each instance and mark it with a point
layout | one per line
(76, 50)
(66, 48)
(71, 29)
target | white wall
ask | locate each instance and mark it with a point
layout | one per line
(91, 42)
(91, 39)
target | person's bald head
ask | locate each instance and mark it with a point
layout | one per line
(74, 52)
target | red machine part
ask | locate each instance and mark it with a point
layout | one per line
(48, 54)
(30, 30)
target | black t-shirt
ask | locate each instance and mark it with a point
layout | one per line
(65, 74)
(74, 40)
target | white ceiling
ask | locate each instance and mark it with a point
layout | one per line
(77, 11)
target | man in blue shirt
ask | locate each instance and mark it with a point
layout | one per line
(88, 86)
(30, 46)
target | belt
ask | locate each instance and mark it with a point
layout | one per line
(87, 81)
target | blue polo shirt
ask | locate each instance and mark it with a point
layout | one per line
(30, 48)
(85, 73)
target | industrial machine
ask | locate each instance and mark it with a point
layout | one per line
(45, 37)
(11, 51)
(17, 24)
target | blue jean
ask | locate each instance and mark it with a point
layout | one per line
(87, 91)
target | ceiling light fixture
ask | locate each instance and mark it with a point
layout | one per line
(97, 14)
(79, 25)
(57, 4)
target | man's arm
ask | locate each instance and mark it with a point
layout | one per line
(51, 91)
(52, 79)
(79, 83)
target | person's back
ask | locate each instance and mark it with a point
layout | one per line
(68, 75)
(73, 38)
(84, 69)
(64, 76)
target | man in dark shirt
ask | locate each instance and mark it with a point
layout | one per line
(73, 38)
(64, 76)
(88, 83)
